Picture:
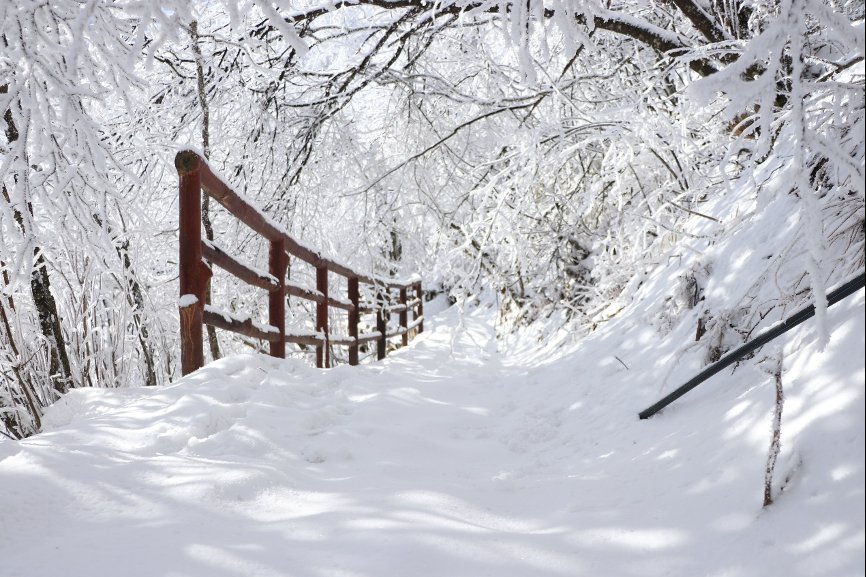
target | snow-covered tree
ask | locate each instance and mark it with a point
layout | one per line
(551, 151)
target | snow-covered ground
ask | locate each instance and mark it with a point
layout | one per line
(454, 459)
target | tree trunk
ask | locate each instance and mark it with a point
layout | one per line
(136, 298)
(49, 322)
(40, 287)
(205, 144)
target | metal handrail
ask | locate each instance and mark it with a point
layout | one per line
(844, 291)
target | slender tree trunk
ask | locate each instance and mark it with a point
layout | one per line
(49, 322)
(205, 143)
(40, 287)
(12, 423)
(776, 440)
(136, 298)
(395, 254)
(8, 413)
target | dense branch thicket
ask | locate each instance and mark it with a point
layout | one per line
(552, 151)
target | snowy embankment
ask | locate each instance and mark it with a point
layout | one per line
(453, 459)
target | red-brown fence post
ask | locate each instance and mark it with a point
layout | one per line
(419, 312)
(278, 262)
(354, 319)
(382, 327)
(193, 272)
(404, 317)
(322, 360)
(196, 179)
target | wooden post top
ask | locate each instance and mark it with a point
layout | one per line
(187, 161)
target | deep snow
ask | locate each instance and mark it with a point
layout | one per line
(454, 459)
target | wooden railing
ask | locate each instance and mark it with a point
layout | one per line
(196, 176)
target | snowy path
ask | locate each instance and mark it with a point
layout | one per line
(446, 460)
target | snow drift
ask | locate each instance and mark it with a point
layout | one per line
(454, 457)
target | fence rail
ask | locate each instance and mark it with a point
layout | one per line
(195, 177)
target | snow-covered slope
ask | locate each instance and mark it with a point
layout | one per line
(454, 459)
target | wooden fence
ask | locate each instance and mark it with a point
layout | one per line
(196, 176)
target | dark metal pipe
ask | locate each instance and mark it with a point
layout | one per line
(797, 318)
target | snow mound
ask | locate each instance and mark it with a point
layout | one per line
(453, 458)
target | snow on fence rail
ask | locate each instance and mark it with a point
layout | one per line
(196, 176)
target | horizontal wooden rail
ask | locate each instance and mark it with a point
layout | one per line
(245, 327)
(306, 339)
(369, 338)
(247, 274)
(304, 293)
(195, 178)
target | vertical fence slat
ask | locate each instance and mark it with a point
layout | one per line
(404, 318)
(322, 360)
(382, 327)
(189, 260)
(354, 318)
(419, 312)
(278, 263)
